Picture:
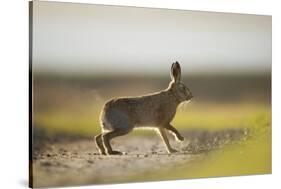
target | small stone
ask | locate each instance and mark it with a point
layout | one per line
(90, 161)
(47, 164)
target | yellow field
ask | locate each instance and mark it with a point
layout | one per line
(205, 116)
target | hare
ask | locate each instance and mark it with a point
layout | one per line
(119, 116)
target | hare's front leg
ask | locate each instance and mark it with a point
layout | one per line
(175, 132)
(166, 141)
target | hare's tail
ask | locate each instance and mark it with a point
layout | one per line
(104, 127)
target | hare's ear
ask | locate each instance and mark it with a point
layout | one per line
(176, 72)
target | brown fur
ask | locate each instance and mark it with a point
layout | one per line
(121, 115)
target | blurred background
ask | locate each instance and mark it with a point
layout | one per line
(85, 54)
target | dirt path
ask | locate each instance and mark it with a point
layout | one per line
(77, 162)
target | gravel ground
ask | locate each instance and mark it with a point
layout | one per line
(68, 162)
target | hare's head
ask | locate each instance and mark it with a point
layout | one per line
(179, 90)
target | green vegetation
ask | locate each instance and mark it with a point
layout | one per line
(250, 156)
(221, 116)
(68, 123)
(205, 116)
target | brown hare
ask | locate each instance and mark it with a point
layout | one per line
(119, 116)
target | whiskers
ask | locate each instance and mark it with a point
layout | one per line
(183, 106)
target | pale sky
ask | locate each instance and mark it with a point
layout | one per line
(97, 38)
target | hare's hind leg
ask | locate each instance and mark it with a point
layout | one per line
(110, 135)
(166, 141)
(99, 144)
(169, 127)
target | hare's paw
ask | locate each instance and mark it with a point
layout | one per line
(101, 152)
(115, 153)
(172, 150)
(180, 138)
